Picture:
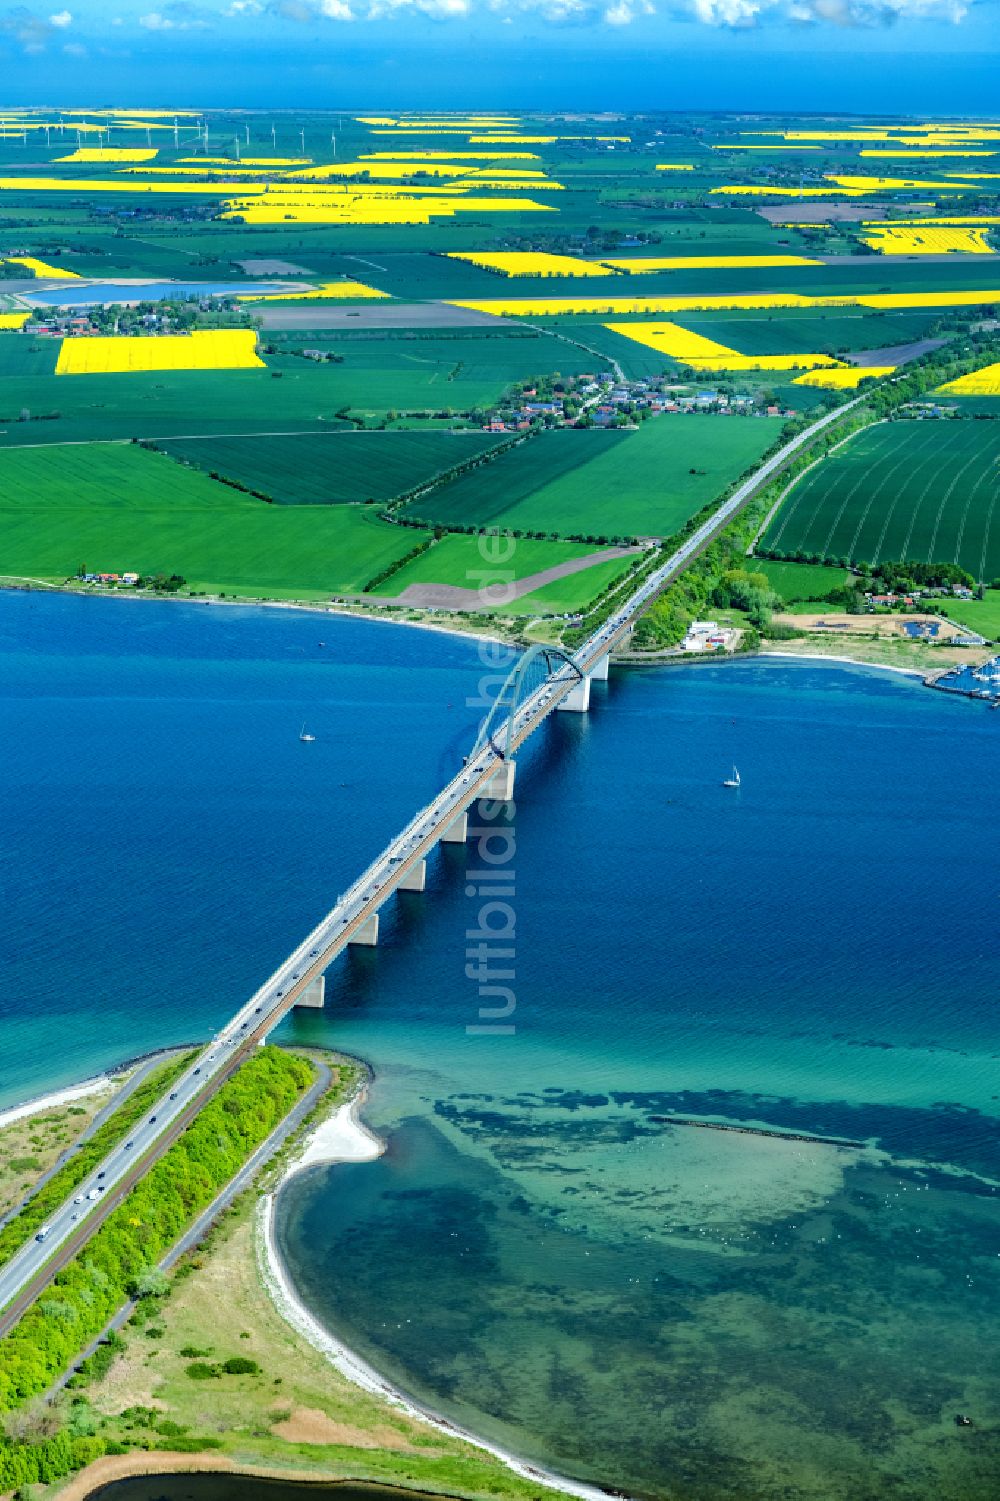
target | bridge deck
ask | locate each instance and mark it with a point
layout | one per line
(30, 1270)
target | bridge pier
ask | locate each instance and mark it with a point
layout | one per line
(500, 786)
(415, 878)
(457, 832)
(314, 995)
(599, 672)
(577, 700)
(367, 935)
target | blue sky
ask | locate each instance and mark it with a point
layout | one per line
(920, 56)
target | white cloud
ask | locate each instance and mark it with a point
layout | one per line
(61, 18)
(744, 13)
(718, 14)
(180, 16)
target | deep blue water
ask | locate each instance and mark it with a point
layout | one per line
(671, 1311)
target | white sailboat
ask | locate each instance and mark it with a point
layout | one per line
(303, 734)
(734, 780)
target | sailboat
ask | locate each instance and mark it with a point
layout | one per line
(303, 735)
(734, 780)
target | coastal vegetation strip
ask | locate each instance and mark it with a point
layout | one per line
(58, 1188)
(32, 1142)
(115, 1262)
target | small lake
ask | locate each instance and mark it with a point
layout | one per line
(154, 291)
(218, 1487)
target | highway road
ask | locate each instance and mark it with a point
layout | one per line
(197, 1232)
(34, 1265)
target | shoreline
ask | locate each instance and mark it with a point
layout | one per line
(11, 585)
(12, 1113)
(109, 1468)
(819, 656)
(112, 1075)
(344, 1137)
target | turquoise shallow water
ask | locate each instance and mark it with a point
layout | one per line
(667, 1310)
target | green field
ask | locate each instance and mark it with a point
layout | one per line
(23, 354)
(797, 581)
(919, 491)
(320, 468)
(982, 615)
(120, 507)
(644, 483)
(461, 561)
(374, 375)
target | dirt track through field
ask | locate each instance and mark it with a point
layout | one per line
(455, 597)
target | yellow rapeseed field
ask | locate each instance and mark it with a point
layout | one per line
(985, 382)
(641, 264)
(705, 354)
(530, 263)
(894, 184)
(42, 268)
(13, 320)
(206, 349)
(674, 167)
(328, 289)
(450, 156)
(118, 184)
(372, 205)
(247, 161)
(917, 155)
(924, 223)
(927, 299)
(551, 307)
(94, 154)
(844, 379)
(934, 240)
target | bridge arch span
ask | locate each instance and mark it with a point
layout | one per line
(518, 686)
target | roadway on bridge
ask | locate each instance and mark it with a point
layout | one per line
(38, 1261)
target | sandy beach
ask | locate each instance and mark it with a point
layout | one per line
(820, 656)
(342, 1137)
(58, 1097)
(24, 585)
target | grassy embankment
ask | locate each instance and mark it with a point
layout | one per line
(114, 1129)
(31, 1146)
(124, 1250)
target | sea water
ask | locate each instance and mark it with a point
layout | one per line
(545, 1253)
